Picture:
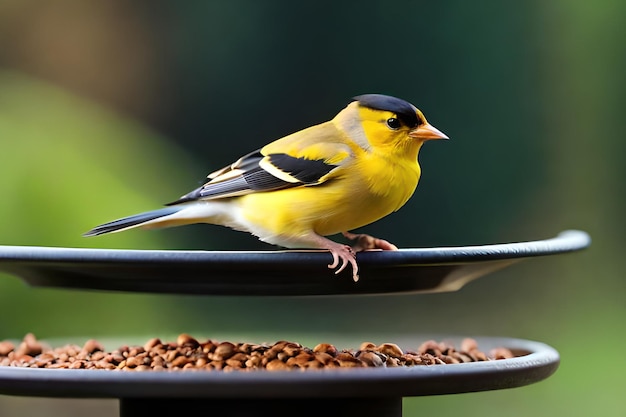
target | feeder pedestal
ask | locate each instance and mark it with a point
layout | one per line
(337, 407)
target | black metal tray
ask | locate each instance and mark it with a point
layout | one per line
(538, 362)
(271, 272)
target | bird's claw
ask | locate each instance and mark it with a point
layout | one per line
(342, 256)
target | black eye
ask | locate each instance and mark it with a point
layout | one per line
(393, 123)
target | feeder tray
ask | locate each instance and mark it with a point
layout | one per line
(271, 273)
(331, 392)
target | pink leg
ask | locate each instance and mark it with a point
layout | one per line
(342, 254)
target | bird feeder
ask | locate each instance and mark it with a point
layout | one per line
(365, 391)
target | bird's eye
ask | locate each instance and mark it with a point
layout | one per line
(393, 123)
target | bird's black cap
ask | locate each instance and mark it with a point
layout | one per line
(405, 111)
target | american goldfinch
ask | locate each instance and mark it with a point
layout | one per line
(324, 180)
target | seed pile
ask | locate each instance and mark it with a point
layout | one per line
(188, 353)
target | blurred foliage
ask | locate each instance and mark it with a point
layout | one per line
(59, 163)
(531, 94)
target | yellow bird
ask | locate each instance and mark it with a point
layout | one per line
(326, 179)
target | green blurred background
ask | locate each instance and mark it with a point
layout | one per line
(111, 107)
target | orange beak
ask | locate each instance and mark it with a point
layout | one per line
(427, 132)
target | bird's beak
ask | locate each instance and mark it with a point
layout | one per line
(427, 132)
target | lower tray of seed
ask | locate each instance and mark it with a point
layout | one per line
(189, 354)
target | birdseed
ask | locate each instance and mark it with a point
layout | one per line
(187, 353)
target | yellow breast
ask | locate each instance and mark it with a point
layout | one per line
(360, 194)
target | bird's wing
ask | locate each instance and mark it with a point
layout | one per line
(305, 158)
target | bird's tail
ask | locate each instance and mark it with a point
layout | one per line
(155, 218)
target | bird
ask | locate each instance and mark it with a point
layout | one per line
(321, 181)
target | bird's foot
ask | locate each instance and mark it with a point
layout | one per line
(342, 256)
(366, 242)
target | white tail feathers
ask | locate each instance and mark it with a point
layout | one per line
(187, 213)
